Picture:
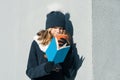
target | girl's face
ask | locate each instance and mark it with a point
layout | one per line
(57, 30)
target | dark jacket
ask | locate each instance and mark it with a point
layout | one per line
(36, 62)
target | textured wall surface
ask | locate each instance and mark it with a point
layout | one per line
(106, 39)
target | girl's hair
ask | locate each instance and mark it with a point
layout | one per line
(45, 36)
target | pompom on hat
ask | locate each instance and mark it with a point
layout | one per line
(55, 18)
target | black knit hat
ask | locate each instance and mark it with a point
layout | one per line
(55, 18)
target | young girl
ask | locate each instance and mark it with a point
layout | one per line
(39, 68)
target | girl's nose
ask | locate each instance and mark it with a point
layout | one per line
(58, 31)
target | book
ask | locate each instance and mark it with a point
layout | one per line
(55, 53)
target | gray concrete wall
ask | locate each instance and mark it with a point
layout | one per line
(106, 39)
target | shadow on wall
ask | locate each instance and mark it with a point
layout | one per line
(78, 60)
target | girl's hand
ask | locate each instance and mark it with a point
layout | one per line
(49, 66)
(62, 41)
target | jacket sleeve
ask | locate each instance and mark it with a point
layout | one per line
(67, 64)
(33, 69)
(70, 65)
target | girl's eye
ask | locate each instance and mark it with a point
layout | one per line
(61, 28)
(55, 27)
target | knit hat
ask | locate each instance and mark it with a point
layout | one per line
(55, 18)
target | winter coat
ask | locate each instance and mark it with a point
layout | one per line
(36, 62)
